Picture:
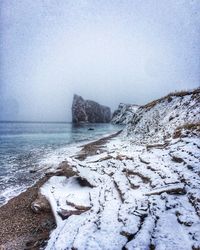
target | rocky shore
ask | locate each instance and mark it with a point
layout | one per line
(21, 227)
(136, 189)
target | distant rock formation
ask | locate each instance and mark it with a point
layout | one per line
(124, 113)
(89, 111)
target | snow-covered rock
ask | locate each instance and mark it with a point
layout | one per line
(144, 195)
(157, 121)
(137, 202)
(124, 113)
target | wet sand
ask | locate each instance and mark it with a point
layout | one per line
(91, 148)
(21, 228)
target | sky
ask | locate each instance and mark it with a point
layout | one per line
(109, 51)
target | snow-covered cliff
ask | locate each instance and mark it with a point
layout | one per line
(124, 113)
(158, 120)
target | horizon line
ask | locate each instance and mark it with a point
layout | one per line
(18, 121)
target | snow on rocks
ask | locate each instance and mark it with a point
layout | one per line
(144, 189)
(124, 113)
(133, 204)
(170, 235)
(62, 193)
(157, 121)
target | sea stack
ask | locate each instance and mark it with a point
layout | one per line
(89, 111)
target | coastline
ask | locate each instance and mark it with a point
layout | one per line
(21, 228)
(126, 194)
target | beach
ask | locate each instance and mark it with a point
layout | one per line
(21, 228)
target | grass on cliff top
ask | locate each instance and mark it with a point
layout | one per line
(170, 95)
(187, 126)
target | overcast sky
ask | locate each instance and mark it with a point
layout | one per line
(110, 51)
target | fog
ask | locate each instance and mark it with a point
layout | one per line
(110, 51)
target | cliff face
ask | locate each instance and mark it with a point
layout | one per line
(160, 119)
(124, 113)
(89, 111)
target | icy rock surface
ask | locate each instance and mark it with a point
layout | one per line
(124, 113)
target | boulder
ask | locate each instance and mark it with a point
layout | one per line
(89, 111)
(66, 169)
(41, 204)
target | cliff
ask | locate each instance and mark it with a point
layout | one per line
(158, 120)
(89, 111)
(124, 113)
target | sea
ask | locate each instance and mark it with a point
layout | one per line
(28, 149)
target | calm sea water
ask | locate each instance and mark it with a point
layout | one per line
(24, 146)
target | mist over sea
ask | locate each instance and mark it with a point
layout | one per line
(26, 146)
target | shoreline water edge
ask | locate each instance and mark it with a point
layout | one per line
(21, 227)
(27, 150)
